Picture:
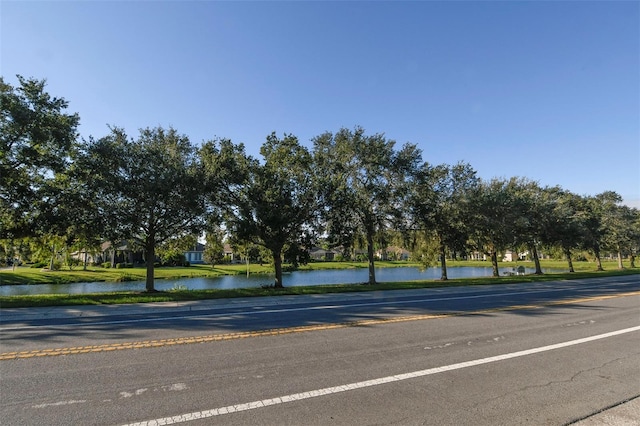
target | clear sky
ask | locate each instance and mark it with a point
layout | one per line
(546, 90)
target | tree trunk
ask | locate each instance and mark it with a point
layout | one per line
(443, 262)
(536, 259)
(86, 255)
(567, 253)
(150, 251)
(372, 269)
(620, 265)
(494, 263)
(632, 259)
(277, 263)
(596, 252)
(53, 254)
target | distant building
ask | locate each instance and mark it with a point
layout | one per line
(318, 253)
(476, 255)
(194, 256)
(394, 253)
(510, 256)
(121, 252)
(228, 253)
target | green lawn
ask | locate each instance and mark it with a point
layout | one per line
(26, 275)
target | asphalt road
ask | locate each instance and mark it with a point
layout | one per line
(536, 354)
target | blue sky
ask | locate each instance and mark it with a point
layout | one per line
(542, 89)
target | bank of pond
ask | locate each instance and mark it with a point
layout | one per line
(291, 279)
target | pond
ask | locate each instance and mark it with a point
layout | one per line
(297, 278)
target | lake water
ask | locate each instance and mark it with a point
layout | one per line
(297, 278)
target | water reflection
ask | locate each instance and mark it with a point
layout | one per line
(297, 278)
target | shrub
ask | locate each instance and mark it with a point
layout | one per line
(72, 263)
(106, 265)
(174, 259)
(125, 277)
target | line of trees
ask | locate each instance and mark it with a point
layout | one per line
(350, 188)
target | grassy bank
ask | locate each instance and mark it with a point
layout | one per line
(26, 275)
(186, 295)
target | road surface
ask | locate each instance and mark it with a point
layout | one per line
(548, 353)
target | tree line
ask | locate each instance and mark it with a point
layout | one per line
(350, 189)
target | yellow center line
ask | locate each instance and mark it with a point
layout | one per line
(285, 330)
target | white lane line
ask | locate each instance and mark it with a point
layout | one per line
(368, 383)
(230, 315)
(59, 403)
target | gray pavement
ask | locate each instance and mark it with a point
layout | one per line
(21, 314)
(24, 314)
(39, 313)
(626, 414)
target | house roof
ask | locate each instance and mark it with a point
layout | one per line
(121, 245)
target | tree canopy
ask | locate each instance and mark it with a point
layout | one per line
(362, 181)
(270, 203)
(159, 192)
(37, 137)
(440, 204)
(145, 189)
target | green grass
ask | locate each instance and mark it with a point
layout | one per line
(26, 275)
(583, 270)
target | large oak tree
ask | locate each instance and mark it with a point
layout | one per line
(147, 189)
(440, 205)
(37, 136)
(271, 203)
(363, 184)
(495, 218)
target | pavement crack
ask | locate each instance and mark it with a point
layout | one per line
(523, 389)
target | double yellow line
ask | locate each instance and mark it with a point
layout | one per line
(110, 347)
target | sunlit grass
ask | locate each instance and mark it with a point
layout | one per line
(26, 275)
